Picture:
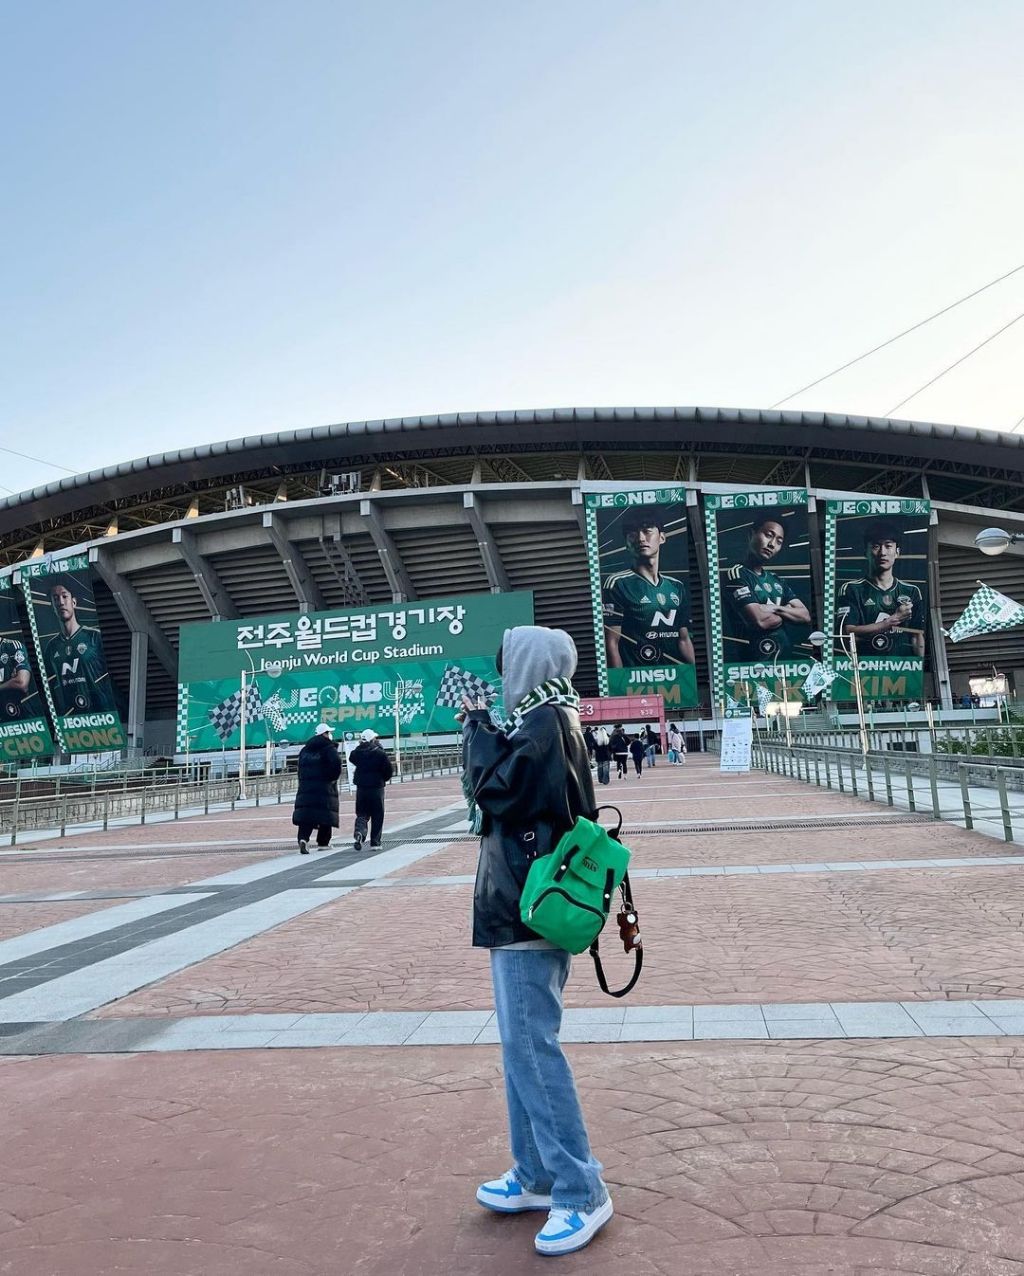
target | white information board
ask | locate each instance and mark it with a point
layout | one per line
(737, 738)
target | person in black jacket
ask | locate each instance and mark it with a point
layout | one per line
(316, 798)
(620, 751)
(531, 779)
(372, 771)
(638, 751)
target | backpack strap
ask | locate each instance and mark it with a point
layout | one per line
(618, 827)
(630, 938)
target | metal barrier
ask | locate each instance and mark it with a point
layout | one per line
(78, 806)
(946, 787)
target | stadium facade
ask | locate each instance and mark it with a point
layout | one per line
(378, 512)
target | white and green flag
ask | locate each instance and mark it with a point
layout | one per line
(819, 679)
(987, 612)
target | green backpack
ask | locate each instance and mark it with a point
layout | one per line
(568, 894)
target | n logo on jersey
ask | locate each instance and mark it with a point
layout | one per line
(665, 618)
(66, 668)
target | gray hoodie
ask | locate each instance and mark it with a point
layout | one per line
(530, 655)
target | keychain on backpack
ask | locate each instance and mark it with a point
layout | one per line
(628, 920)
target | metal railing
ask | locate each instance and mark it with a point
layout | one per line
(945, 787)
(126, 798)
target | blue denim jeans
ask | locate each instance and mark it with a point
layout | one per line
(550, 1148)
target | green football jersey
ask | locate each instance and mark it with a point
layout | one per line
(77, 670)
(743, 641)
(650, 617)
(13, 659)
(861, 602)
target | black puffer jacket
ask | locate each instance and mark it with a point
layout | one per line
(531, 789)
(316, 799)
(372, 765)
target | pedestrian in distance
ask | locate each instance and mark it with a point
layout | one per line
(638, 751)
(676, 745)
(373, 769)
(620, 751)
(603, 755)
(316, 797)
(588, 740)
(531, 779)
(650, 746)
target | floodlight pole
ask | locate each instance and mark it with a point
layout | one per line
(785, 701)
(859, 692)
(398, 727)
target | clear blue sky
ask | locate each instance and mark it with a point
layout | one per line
(228, 218)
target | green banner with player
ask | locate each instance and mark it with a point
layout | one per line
(876, 595)
(77, 688)
(640, 586)
(404, 665)
(24, 733)
(759, 567)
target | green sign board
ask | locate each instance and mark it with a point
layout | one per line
(404, 663)
(876, 595)
(641, 593)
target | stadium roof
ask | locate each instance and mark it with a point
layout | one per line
(981, 465)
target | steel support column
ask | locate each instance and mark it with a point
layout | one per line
(218, 600)
(402, 590)
(497, 577)
(307, 591)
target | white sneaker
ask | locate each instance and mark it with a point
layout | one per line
(508, 1196)
(569, 1230)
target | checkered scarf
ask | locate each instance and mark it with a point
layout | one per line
(554, 691)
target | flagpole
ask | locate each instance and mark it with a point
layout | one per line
(241, 739)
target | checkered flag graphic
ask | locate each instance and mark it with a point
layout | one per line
(818, 680)
(987, 612)
(764, 698)
(227, 716)
(457, 682)
(273, 712)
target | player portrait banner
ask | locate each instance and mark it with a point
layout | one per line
(354, 668)
(24, 733)
(69, 646)
(640, 588)
(876, 593)
(759, 567)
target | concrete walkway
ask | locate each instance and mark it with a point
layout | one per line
(221, 1057)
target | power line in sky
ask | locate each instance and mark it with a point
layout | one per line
(38, 459)
(962, 359)
(906, 332)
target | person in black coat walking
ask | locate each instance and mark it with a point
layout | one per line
(316, 798)
(372, 771)
(620, 752)
(638, 750)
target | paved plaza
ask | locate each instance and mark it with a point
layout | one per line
(218, 1056)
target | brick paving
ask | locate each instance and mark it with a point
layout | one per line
(769, 1159)
(779, 1158)
(867, 936)
(20, 919)
(926, 840)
